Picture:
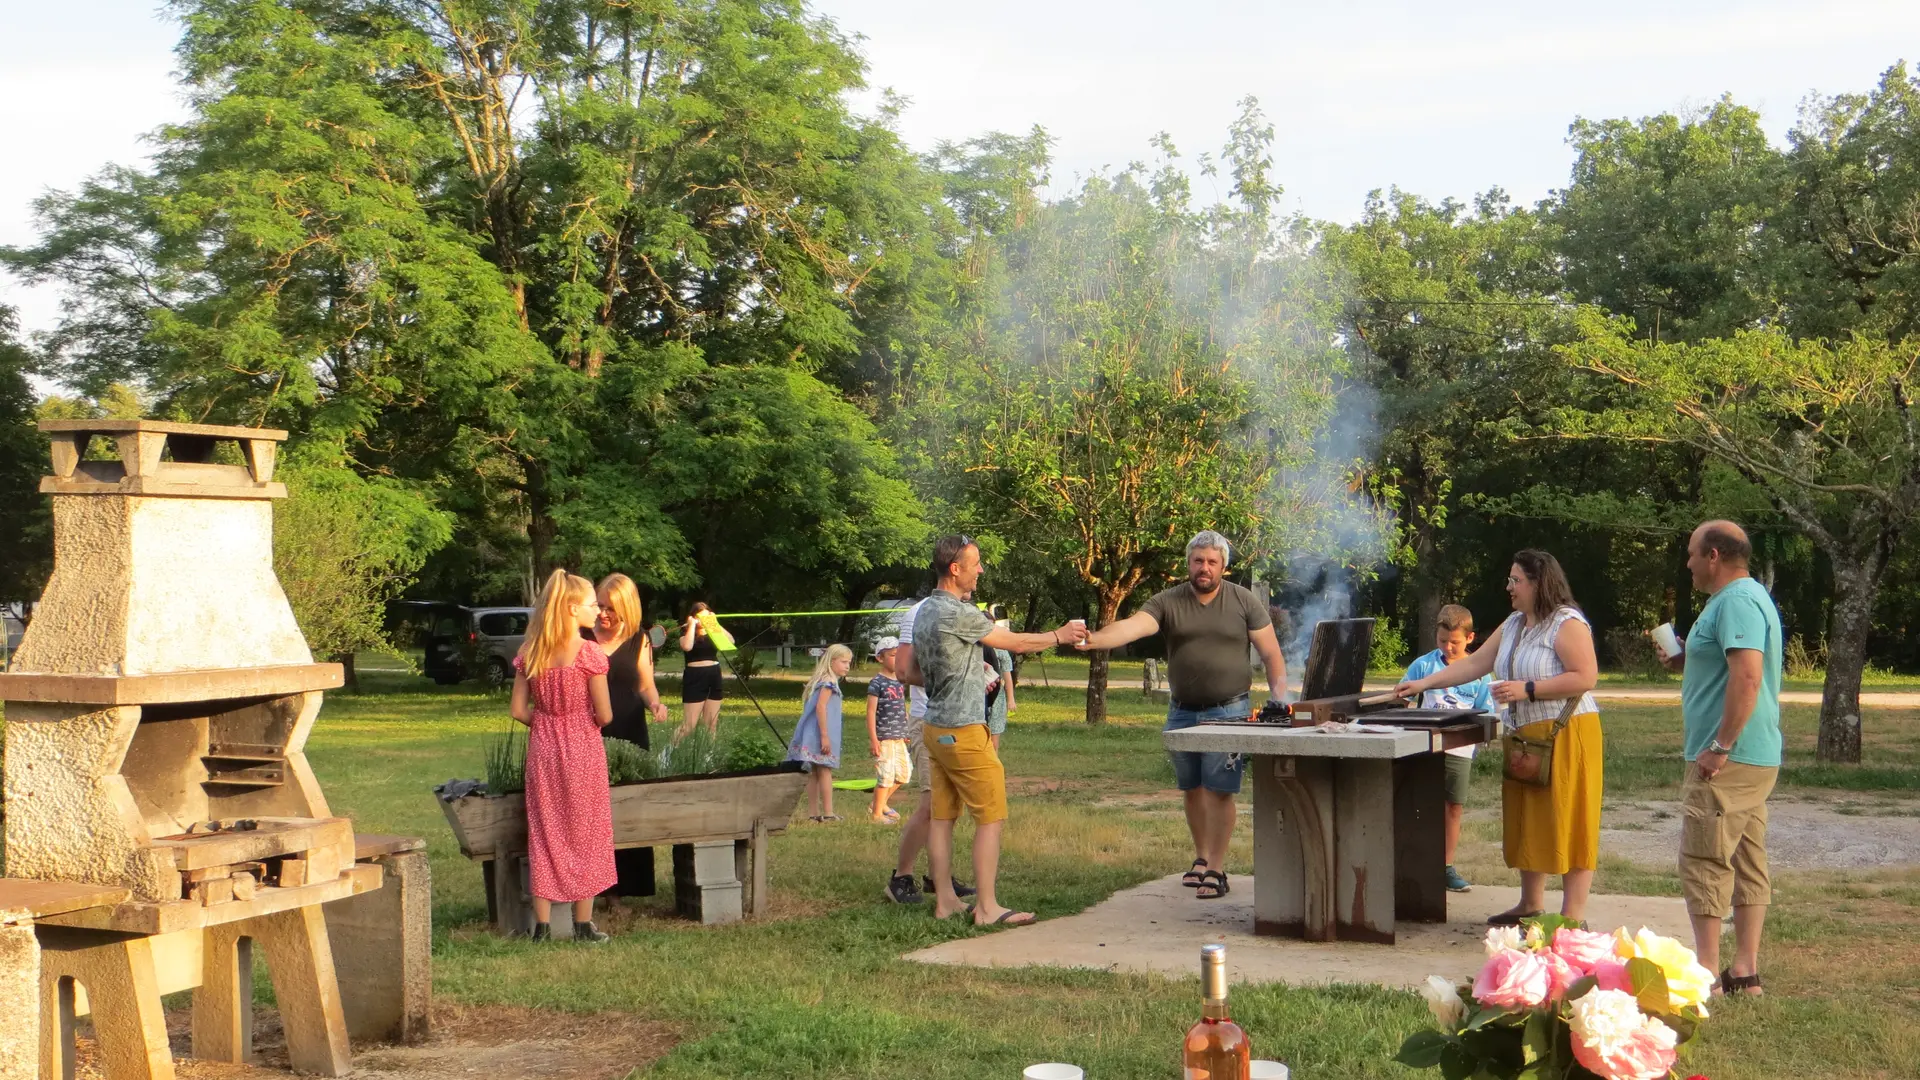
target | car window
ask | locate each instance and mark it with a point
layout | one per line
(447, 626)
(503, 623)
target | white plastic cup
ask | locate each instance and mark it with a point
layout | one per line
(1053, 1070)
(1666, 640)
(1267, 1070)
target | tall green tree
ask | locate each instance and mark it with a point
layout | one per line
(1853, 218)
(27, 557)
(1670, 220)
(1452, 308)
(344, 545)
(484, 241)
(1825, 432)
(1140, 371)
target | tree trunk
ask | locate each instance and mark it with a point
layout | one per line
(1110, 600)
(1426, 622)
(350, 675)
(541, 529)
(1682, 592)
(854, 597)
(1854, 592)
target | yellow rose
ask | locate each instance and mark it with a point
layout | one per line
(1687, 982)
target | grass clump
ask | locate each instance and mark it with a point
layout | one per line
(506, 761)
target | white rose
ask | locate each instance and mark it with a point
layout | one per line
(1605, 1018)
(1502, 938)
(1443, 999)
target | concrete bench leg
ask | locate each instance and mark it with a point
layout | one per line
(301, 963)
(123, 997)
(223, 1002)
(705, 882)
(750, 867)
(19, 1002)
(382, 953)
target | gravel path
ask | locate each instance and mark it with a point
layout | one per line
(1857, 835)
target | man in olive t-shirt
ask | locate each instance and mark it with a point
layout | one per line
(1208, 622)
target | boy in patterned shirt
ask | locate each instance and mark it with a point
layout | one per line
(887, 731)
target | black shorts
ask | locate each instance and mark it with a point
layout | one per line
(700, 684)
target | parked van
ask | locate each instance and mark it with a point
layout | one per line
(459, 642)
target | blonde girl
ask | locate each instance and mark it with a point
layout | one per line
(816, 740)
(560, 693)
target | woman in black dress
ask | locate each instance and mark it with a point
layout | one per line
(635, 699)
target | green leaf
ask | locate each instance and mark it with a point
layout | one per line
(1457, 1063)
(1548, 924)
(1580, 987)
(1489, 1015)
(1683, 1025)
(1649, 986)
(1536, 1040)
(1422, 1049)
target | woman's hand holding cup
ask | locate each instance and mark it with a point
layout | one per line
(1509, 691)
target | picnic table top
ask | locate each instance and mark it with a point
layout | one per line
(1238, 737)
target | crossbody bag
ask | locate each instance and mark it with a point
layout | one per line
(1530, 761)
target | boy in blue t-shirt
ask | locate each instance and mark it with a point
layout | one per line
(1454, 634)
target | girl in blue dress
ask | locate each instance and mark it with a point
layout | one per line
(816, 741)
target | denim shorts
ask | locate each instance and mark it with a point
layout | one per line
(1218, 772)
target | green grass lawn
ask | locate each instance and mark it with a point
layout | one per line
(818, 990)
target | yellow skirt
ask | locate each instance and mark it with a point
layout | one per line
(1552, 830)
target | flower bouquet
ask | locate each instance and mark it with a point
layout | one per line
(1556, 1002)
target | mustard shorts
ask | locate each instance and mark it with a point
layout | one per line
(966, 773)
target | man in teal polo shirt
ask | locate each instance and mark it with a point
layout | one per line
(1730, 705)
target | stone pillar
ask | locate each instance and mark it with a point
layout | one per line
(706, 886)
(382, 952)
(19, 1002)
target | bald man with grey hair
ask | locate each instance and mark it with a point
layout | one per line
(1730, 711)
(1208, 622)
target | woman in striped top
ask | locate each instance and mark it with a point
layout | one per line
(1541, 658)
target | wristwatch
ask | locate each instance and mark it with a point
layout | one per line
(1714, 747)
(1530, 696)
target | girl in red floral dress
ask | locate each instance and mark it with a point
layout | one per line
(560, 693)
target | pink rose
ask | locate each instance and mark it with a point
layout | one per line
(1512, 979)
(1647, 1054)
(1611, 974)
(1584, 949)
(1560, 974)
(1612, 1039)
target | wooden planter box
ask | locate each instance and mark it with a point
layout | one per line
(717, 827)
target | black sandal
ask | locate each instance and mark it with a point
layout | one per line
(1215, 880)
(1731, 984)
(1193, 877)
(1512, 918)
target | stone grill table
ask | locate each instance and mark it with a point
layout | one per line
(1348, 827)
(162, 821)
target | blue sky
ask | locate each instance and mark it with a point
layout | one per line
(1441, 99)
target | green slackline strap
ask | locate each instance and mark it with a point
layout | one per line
(780, 614)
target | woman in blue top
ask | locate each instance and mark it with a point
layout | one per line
(816, 740)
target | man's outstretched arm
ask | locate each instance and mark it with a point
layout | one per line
(1120, 632)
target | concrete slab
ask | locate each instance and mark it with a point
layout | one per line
(1159, 927)
(1366, 742)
